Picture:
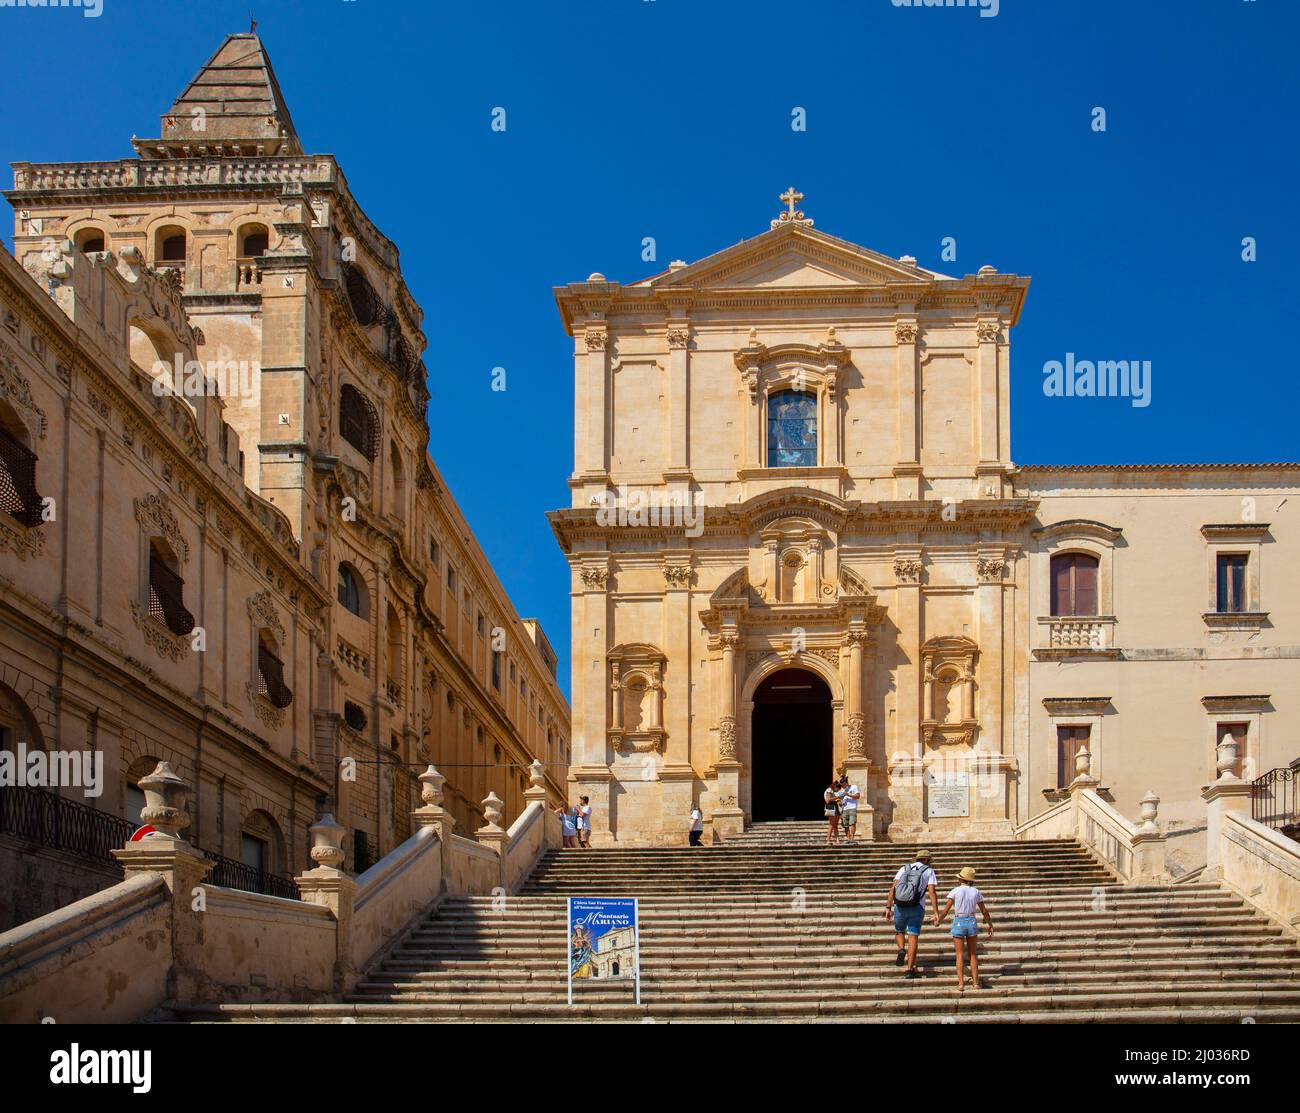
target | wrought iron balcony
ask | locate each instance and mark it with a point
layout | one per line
(18, 496)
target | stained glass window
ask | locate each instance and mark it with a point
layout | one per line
(792, 430)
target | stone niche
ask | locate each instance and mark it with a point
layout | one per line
(948, 705)
(636, 711)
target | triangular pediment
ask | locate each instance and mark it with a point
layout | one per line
(793, 256)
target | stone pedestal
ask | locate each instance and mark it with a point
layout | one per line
(677, 797)
(1228, 794)
(728, 816)
(907, 794)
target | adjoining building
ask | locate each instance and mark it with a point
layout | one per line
(224, 542)
(799, 545)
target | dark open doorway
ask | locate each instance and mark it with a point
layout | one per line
(792, 752)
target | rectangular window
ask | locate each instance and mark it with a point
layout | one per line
(1069, 741)
(480, 624)
(451, 579)
(434, 552)
(1238, 732)
(496, 670)
(1231, 583)
(252, 852)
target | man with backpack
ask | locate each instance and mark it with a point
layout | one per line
(906, 904)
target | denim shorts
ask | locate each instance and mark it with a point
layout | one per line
(909, 919)
(965, 927)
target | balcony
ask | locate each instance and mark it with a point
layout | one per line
(248, 275)
(1061, 637)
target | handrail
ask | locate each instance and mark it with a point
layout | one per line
(1275, 798)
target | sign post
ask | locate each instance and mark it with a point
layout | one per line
(604, 941)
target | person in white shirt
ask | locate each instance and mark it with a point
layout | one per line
(584, 822)
(697, 826)
(906, 904)
(849, 796)
(965, 900)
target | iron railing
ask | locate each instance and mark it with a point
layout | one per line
(18, 495)
(48, 819)
(41, 816)
(1275, 801)
(167, 597)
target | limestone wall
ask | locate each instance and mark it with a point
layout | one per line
(1264, 867)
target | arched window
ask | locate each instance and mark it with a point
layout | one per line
(270, 672)
(90, 239)
(1074, 584)
(253, 241)
(358, 421)
(167, 589)
(361, 296)
(169, 245)
(792, 430)
(352, 592)
(354, 715)
(18, 497)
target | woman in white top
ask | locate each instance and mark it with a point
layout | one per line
(965, 899)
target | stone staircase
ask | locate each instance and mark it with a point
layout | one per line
(791, 833)
(795, 931)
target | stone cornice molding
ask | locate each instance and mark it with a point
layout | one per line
(1077, 705)
(1231, 705)
(760, 365)
(1235, 531)
(1077, 527)
(154, 513)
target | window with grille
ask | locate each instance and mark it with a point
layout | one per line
(1069, 741)
(358, 421)
(18, 497)
(1074, 584)
(367, 307)
(167, 596)
(270, 677)
(1230, 580)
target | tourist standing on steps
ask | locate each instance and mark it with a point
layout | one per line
(570, 826)
(584, 822)
(697, 826)
(906, 904)
(831, 810)
(850, 796)
(964, 900)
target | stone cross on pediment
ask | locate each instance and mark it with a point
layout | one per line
(792, 215)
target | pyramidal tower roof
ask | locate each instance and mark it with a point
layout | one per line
(233, 106)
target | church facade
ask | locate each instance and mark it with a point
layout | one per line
(248, 564)
(800, 546)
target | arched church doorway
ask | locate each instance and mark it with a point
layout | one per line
(792, 751)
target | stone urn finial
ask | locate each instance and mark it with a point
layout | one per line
(1083, 762)
(536, 775)
(166, 796)
(432, 782)
(492, 809)
(1150, 809)
(327, 842)
(1226, 757)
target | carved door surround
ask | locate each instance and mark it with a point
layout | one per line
(948, 706)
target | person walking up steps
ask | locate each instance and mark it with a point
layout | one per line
(907, 906)
(964, 900)
(697, 827)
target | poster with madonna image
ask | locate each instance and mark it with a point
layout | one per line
(603, 941)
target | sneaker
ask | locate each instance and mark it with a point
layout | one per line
(911, 974)
(902, 957)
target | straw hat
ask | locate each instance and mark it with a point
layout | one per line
(966, 874)
(922, 856)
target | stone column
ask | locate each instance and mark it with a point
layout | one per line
(728, 816)
(1149, 844)
(857, 763)
(1227, 794)
(907, 471)
(492, 833)
(817, 571)
(597, 401)
(616, 692)
(678, 474)
(328, 886)
(182, 869)
(988, 329)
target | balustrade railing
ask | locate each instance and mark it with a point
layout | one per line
(1275, 801)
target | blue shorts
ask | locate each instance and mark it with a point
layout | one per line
(964, 927)
(909, 920)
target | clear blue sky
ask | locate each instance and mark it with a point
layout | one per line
(671, 118)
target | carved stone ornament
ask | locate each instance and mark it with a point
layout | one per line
(267, 713)
(154, 513)
(907, 571)
(678, 338)
(20, 540)
(677, 575)
(905, 332)
(727, 738)
(595, 579)
(988, 331)
(169, 645)
(990, 569)
(16, 389)
(262, 611)
(596, 341)
(857, 735)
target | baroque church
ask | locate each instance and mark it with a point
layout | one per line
(866, 582)
(263, 581)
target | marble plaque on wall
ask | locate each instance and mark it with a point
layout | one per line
(948, 795)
